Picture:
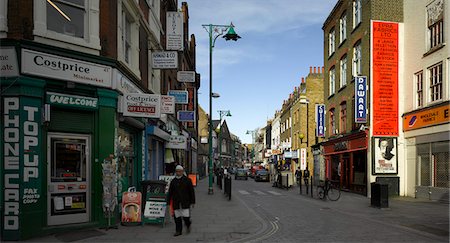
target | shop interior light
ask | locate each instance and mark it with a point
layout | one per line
(58, 9)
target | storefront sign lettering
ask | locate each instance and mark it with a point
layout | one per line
(181, 96)
(320, 120)
(72, 101)
(339, 146)
(8, 62)
(428, 117)
(360, 99)
(142, 105)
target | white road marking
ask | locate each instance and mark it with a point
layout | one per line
(243, 192)
(274, 193)
(259, 192)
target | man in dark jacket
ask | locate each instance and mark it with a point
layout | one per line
(182, 194)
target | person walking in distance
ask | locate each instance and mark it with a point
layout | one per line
(182, 194)
(298, 175)
(306, 178)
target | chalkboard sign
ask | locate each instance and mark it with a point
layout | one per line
(393, 184)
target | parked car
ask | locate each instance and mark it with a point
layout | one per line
(241, 173)
(262, 175)
(254, 169)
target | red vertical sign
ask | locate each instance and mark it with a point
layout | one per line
(385, 78)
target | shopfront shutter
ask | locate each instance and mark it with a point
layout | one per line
(71, 121)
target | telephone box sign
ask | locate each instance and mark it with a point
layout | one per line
(361, 99)
(165, 60)
(320, 120)
(385, 53)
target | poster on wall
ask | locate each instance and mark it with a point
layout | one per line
(384, 155)
(385, 78)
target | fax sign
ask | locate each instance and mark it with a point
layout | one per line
(360, 99)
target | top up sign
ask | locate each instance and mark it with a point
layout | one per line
(320, 120)
(360, 99)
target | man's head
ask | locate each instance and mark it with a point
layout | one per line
(179, 170)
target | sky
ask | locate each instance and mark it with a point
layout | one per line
(280, 40)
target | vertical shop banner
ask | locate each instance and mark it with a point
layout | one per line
(23, 166)
(385, 78)
(142, 105)
(320, 120)
(303, 159)
(174, 27)
(361, 99)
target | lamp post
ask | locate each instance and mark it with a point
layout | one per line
(253, 133)
(214, 31)
(222, 113)
(304, 100)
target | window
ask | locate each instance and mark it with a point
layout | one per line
(343, 28)
(343, 72)
(433, 164)
(332, 122)
(419, 83)
(356, 13)
(343, 125)
(331, 42)
(332, 81)
(126, 36)
(357, 59)
(435, 20)
(67, 17)
(435, 74)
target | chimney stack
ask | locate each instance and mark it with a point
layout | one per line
(323, 69)
(310, 69)
(318, 70)
(314, 69)
(303, 80)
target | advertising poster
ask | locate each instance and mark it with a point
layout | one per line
(385, 78)
(384, 155)
(131, 207)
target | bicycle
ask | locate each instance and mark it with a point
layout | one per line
(327, 190)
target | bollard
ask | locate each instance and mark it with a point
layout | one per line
(307, 186)
(300, 185)
(312, 186)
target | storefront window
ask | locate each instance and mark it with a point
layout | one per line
(68, 160)
(126, 158)
(433, 164)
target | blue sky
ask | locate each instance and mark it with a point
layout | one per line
(281, 39)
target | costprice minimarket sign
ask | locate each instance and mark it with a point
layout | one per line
(72, 101)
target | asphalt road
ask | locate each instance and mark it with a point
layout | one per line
(287, 216)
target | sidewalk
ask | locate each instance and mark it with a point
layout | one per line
(214, 219)
(422, 216)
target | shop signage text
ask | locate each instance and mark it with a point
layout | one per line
(8, 62)
(123, 84)
(181, 96)
(303, 159)
(177, 142)
(174, 27)
(385, 78)
(72, 101)
(165, 60)
(142, 105)
(361, 99)
(186, 76)
(340, 146)
(186, 116)
(287, 154)
(167, 104)
(320, 120)
(63, 68)
(429, 117)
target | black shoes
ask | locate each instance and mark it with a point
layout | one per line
(188, 229)
(177, 234)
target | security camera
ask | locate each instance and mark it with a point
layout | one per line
(363, 128)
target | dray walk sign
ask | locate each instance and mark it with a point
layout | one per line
(360, 99)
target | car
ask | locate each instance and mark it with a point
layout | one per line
(254, 169)
(262, 175)
(241, 173)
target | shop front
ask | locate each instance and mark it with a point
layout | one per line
(157, 156)
(346, 161)
(427, 132)
(54, 122)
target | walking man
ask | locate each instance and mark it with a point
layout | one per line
(182, 194)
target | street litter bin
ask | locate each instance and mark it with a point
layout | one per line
(379, 195)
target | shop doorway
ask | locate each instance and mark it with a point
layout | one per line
(345, 171)
(68, 177)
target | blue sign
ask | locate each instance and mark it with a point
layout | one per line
(320, 120)
(186, 116)
(360, 99)
(181, 96)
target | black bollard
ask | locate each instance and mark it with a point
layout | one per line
(311, 186)
(300, 185)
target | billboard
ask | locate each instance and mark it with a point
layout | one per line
(361, 99)
(385, 78)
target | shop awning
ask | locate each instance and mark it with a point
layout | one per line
(168, 158)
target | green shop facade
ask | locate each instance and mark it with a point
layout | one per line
(60, 121)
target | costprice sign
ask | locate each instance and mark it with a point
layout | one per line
(165, 60)
(360, 99)
(142, 105)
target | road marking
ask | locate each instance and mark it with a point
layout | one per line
(243, 192)
(259, 192)
(274, 193)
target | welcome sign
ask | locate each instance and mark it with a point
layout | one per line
(73, 101)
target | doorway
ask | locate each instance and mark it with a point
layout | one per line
(68, 179)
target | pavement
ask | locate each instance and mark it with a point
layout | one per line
(259, 212)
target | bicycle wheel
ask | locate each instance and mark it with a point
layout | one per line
(321, 192)
(334, 193)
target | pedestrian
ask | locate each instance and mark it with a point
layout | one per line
(306, 176)
(182, 194)
(298, 175)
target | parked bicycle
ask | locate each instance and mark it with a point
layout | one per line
(328, 190)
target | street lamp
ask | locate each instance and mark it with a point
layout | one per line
(222, 113)
(304, 100)
(253, 133)
(215, 95)
(214, 31)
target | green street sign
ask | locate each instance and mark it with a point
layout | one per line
(73, 101)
